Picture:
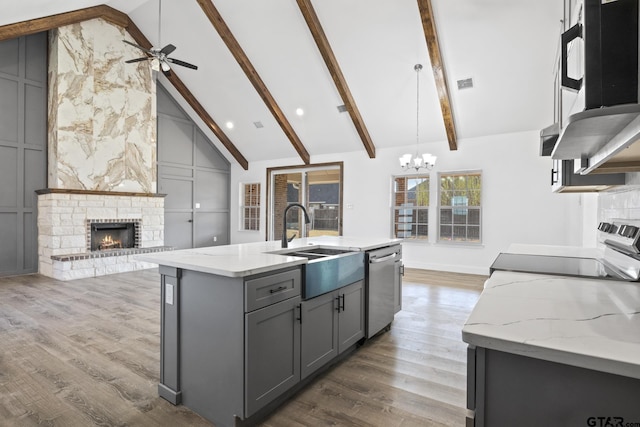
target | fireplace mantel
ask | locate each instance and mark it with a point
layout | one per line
(96, 192)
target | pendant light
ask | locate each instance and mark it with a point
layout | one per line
(425, 161)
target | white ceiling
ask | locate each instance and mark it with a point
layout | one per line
(507, 46)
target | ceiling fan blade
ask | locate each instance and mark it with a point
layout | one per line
(168, 49)
(139, 47)
(137, 60)
(182, 63)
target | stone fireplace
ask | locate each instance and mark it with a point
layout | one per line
(66, 219)
(101, 156)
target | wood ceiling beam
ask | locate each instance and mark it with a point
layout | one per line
(25, 28)
(236, 50)
(433, 45)
(116, 17)
(332, 64)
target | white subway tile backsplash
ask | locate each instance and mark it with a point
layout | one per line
(623, 203)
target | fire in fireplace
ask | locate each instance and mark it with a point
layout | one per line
(112, 235)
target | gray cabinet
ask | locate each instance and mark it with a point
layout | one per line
(229, 345)
(319, 332)
(272, 352)
(331, 323)
(506, 389)
(350, 315)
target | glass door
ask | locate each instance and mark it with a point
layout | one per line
(318, 189)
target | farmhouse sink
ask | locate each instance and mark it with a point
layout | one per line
(328, 269)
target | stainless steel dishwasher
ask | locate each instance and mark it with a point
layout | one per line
(382, 285)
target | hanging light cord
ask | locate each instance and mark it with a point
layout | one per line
(417, 67)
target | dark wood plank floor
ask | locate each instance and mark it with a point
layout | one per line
(86, 352)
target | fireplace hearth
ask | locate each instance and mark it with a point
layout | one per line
(109, 235)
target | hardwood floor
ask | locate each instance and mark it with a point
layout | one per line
(86, 352)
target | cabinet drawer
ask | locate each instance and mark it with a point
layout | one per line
(266, 290)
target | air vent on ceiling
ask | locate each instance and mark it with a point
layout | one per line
(465, 83)
(258, 125)
(342, 108)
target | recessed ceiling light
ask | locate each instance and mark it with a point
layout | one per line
(258, 125)
(229, 125)
(342, 108)
(300, 111)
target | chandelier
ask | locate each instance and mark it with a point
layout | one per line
(425, 161)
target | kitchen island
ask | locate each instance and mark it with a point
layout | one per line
(553, 350)
(243, 327)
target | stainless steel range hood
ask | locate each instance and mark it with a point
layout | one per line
(603, 139)
(548, 138)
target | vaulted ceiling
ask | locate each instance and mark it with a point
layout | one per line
(260, 61)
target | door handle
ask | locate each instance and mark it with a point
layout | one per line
(299, 318)
(342, 296)
(383, 259)
(338, 300)
(567, 37)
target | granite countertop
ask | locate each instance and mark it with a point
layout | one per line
(245, 259)
(590, 323)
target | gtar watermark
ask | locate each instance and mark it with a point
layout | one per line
(610, 422)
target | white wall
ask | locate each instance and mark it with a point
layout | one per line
(518, 205)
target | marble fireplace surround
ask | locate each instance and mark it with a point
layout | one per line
(63, 216)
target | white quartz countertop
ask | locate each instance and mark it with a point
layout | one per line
(589, 323)
(246, 259)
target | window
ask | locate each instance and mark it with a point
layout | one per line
(411, 207)
(250, 208)
(460, 207)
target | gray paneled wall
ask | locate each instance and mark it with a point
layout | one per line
(194, 176)
(23, 121)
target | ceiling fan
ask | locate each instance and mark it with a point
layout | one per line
(159, 57)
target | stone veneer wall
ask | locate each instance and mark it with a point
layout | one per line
(62, 232)
(102, 111)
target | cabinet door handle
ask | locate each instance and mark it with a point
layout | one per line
(338, 301)
(567, 37)
(299, 318)
(554, 174)
(342, 296)
(280, 289)
(402, 270)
